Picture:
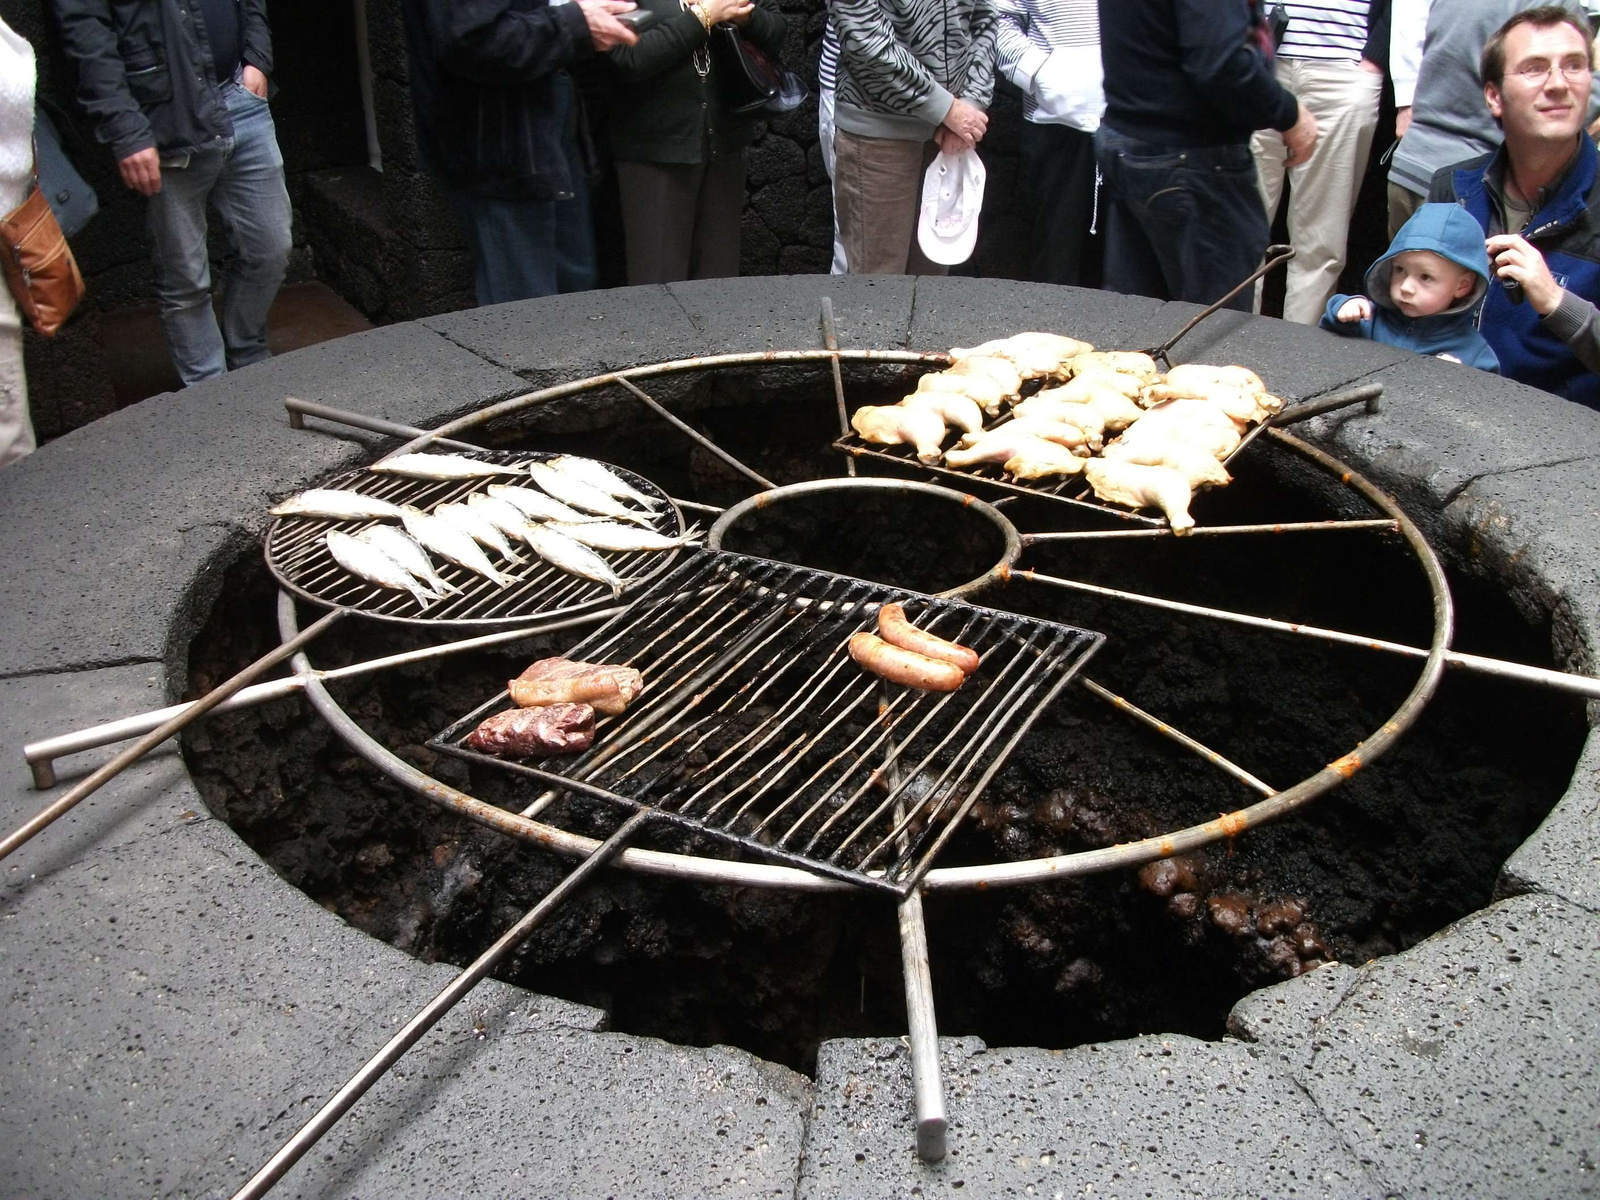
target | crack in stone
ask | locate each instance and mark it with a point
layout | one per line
(1454, 493)
(82, 668)
(911, 317)
(684, 309)
(472, 350)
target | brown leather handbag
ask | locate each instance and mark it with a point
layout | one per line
(39, 267)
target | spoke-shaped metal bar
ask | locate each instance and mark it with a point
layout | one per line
(830, 339)
(299, 410)
(683, 426)
(1087, 535)
(1177, 735)
(1583, 685)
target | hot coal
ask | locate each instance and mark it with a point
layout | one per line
(1410, 844)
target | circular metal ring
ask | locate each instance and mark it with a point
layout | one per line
(775, 496)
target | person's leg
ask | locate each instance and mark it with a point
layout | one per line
(658, 218)
(513, 244)
(1270, 152)
(839, 266)
(877, 189)
(1132, 265)
(176, 218)
(1343, 96)
(918, 263)
(577, 265)
(1058, 172)
(719, 214)
(1402, 203)
(16, 428)
(1214, 230)
(253, 203)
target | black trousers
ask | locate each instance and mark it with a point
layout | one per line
(1058, 177)
(1182, 222)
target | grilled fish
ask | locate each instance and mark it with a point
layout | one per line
(448, 542)
(574, 558)
(537, 506)
(501, 513)
(390, 541)
(440, 466)
(578, 494)
(598, 475)
(337, 505)
(478, 527)
(367, 561)
(608, 535)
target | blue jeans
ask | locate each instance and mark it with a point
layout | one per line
(243, 181)
(1182, 222)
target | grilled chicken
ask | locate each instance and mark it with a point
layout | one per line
(1115, 409)
(1142, 487)
(1036, 355)
(1002, 371)
(1200, 375)
(1099, 379)
(955, 409)
(1244, 407)
(1125, 362)
(1062, 433)
(1190, 409)
(1045, 407)
(1166, 425)
(1002, 445)
(980, 389)
(891, 425)
(1028, 465)
(1192, 462)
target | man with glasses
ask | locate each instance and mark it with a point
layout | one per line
(1536, 200)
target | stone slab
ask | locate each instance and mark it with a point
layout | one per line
(1155, 1116)
(106, 535)
(558, 338)
(1466, 1066)
(1443, 425)
(1295, 361)
(1286, 1017)
(741, 315)
(962, 312)
(1562, 858)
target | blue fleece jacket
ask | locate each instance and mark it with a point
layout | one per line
(1450, 232)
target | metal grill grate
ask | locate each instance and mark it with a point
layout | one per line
(299, 558)
(756, 727)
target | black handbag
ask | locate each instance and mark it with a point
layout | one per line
(750, 81)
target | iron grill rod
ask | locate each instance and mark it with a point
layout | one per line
(1177, 735)
(661, 411)
(1031, 539)
(300, 409)
(922, 1025)
(41, 755)
(378, 1065)
(1582, 685)
(830, 339)
(1274, 256)
(80, 791)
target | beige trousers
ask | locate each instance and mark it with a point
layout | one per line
(16, 429)
(1343, 97)
(877, 195)
(1403, 202)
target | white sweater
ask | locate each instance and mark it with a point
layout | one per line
(16, 118)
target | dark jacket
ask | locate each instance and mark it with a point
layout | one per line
(1189, 72)
(661, 110)
(492, 101)
(145, 75)
(1450, 233)
(1559, 353)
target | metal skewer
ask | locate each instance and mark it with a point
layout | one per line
(830, 339)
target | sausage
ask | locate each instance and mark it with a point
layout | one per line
(904, 666)
(897, 631)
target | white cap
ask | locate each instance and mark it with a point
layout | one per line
(952, 197)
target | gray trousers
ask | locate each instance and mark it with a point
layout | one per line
(682, 220)
(877, 196)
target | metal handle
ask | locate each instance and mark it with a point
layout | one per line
(1276, 255)
(830, 339)
(300, 409)
(70, 799)
(926, 1085)
(378, 1065)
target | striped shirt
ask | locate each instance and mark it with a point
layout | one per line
(1325, 29)
(828, 64)
(1030, 29)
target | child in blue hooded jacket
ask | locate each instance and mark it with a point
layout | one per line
(1425, 291)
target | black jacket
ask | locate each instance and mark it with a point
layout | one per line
(492, 99)
(144, 71)
(661, 110)
(1189, 72)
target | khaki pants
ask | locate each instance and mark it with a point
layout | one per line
(1402, 203)
(877, 194)
(1343, 97)
(16, 430)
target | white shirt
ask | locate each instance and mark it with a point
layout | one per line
(17, 74)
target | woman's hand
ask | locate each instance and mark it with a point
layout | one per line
(717, 11)
(605, 31)
(967, 121)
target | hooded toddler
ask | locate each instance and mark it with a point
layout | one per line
(1425, 291)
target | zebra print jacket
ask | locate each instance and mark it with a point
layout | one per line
(903, 62)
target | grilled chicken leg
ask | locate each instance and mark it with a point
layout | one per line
(892, 425)
(1143, 487)
(956, 410)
